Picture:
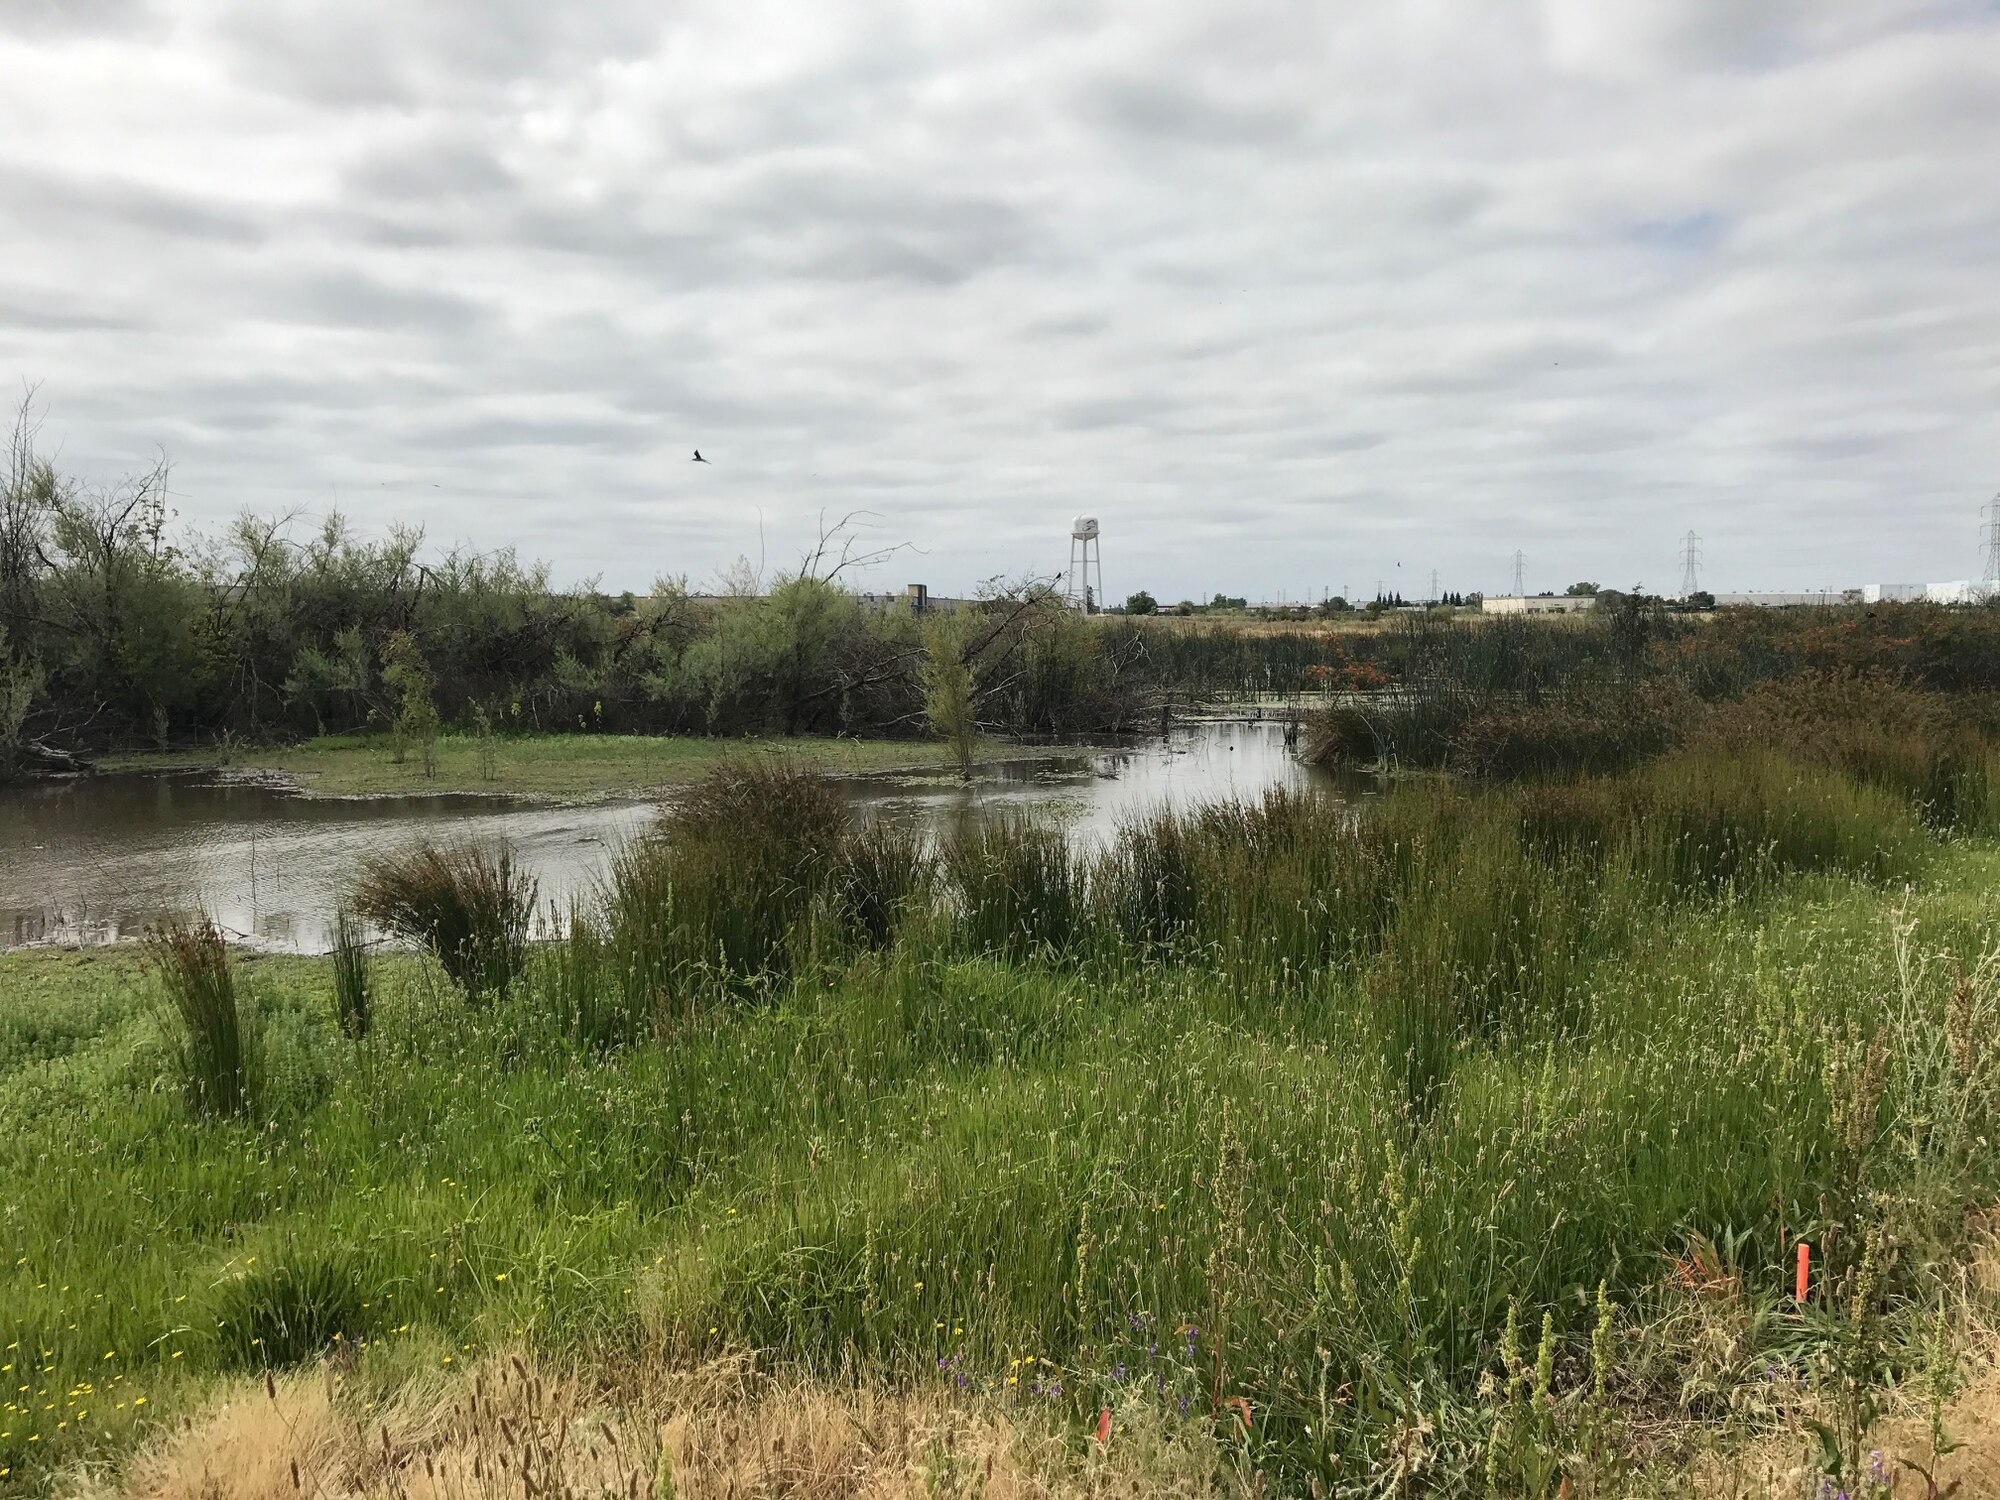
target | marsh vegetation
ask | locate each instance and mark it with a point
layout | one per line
(1462, 1138)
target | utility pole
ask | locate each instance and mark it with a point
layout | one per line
(1690, 564)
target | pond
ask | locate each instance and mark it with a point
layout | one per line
(97, 858)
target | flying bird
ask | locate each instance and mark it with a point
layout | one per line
(698, 458)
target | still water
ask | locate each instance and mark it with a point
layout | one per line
(98, 858)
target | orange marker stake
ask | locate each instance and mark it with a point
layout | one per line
(1103, 1426)
(1805, 1272)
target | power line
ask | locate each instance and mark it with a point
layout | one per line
(1690, 564)
(1991, 511)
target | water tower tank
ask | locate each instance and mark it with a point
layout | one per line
(1083, 528)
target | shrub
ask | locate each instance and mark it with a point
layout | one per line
(470, 906)
(213, 1034)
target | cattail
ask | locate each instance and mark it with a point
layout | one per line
(270, 1386)
(295, 1475)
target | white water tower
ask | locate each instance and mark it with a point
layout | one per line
(1084, 591)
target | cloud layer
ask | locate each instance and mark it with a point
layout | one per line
(1294, 297)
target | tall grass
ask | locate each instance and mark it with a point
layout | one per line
(721, 894)
(885, 870)
(1020, 887)
(353, 999)
(470, 906)
(213, 1034)
(1287, 1101)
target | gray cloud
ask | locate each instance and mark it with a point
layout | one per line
(1286, 296)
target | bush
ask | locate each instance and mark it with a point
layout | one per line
(470, 906)
(213, 1035)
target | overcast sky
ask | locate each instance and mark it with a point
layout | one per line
(1289, 295)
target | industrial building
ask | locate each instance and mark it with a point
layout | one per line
(1957, 591)
(1537, 604)
(919, 600)
(1821, 598)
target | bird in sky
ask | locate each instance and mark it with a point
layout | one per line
(698, 458)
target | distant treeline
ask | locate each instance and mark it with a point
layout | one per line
(120, 629)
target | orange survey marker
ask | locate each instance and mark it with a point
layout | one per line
(1805, 1271)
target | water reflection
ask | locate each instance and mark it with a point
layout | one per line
(99, 858)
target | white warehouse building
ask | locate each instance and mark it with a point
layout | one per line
(1537, 604)
(1957, 591)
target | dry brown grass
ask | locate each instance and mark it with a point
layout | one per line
(512, 1430)
(1780, 1467)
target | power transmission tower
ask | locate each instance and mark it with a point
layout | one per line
(1991, 511)
(1434, 585)
(1690, 564)
(1520, 574)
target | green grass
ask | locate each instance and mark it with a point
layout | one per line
(561, 767)
(1181, 1155)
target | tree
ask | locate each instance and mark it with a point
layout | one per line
(416, 716)
(20, 681)
(947, 681)
(1141, 603)
(1581, 590)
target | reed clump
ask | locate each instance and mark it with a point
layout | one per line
(720, 894)
(1019, 886)
(471, 906)
(212, 1032)
(353, 994)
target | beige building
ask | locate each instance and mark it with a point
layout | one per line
(1537, 604)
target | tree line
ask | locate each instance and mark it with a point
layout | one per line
(119, 628)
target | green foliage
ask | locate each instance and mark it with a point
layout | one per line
(722, 894)
(1020, 884)
(285, 1312)
(468, 905)
(353, 1005)
(1287, 1102)
(1141, 603)
(416, 719)
(20, 684)
(885, 869)
(212, 1034)
(947, 680)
